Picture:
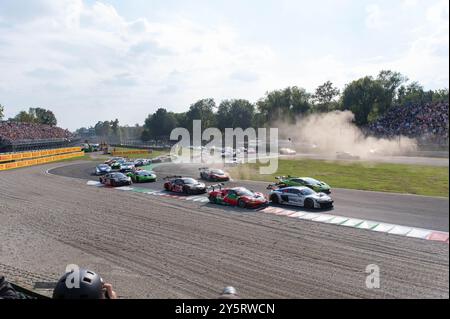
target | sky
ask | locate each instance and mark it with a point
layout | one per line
(101, 60)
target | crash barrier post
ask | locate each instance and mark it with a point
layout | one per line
(23, 159)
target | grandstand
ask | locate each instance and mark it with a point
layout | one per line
(17, 136)
(426, 122)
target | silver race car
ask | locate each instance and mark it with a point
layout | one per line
(300, 196)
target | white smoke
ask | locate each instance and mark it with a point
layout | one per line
(329, 133)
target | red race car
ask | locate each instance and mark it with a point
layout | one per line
(237, 196)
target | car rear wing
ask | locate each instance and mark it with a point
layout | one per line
(283, 177)
(172, 176)
(214, 186)
(275, 186)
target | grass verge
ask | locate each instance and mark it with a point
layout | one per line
(383, 177)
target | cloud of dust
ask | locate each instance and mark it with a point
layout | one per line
(329, 133)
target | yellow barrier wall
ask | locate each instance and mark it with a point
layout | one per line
(7, 157)
(42, 160)
(123, 153)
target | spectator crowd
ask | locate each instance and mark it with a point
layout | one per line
(16, 131)
(427, 122)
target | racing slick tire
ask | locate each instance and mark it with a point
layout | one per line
(274, 199)
(242, 204)
(309, 204)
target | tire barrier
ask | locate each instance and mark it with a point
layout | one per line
(24, 159)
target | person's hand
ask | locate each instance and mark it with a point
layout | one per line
(110, 293)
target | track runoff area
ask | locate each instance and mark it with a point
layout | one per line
(400, 223)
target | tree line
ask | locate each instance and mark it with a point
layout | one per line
(33, 115)
(368, 98)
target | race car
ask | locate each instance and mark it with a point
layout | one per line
(186, 185)
(112, 160)
(347, 156)
(314, 184)
(115, 179)
(116, 164)
(287, 151)
(213, 174)
(126, 167)
(142, 162)
(102, 169)
(142, 176)
(237, 196)
(300, 196)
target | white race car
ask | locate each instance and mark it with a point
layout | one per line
(300, 196)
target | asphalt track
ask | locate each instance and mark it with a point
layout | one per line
(408, 210)
(156, 247)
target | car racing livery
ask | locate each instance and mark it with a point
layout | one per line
(102, 169)
(300, 196)
(126, 167)
(142, 162)
(213, 174)
(314, 184)
(112, 160)
(186, 185)
(115, 179)
(117, 164)
(237, 196)
(142, 176)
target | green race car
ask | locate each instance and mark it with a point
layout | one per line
(314, 184)
(141, 176)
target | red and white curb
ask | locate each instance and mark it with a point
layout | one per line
(393, 229)
(362, 224)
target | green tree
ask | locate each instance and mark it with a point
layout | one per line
(202, 110)
(159, 125)
(235, 113)
(324, 97)
(25, 117)
(284, 104)
(413, 93)
(390, 81)
(37, 115)
(43, 116)
(103, 128)
(363, 97)
(440, 95)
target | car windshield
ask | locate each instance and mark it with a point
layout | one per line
(307, 191)
(143, 173)
(217, 171)
(189, 181)
(102, 166)
(243, 192)
(119, 175)
(310, 180)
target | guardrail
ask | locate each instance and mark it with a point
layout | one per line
(23, 159)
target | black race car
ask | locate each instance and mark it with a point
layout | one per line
(184, 185)
(115, 179)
